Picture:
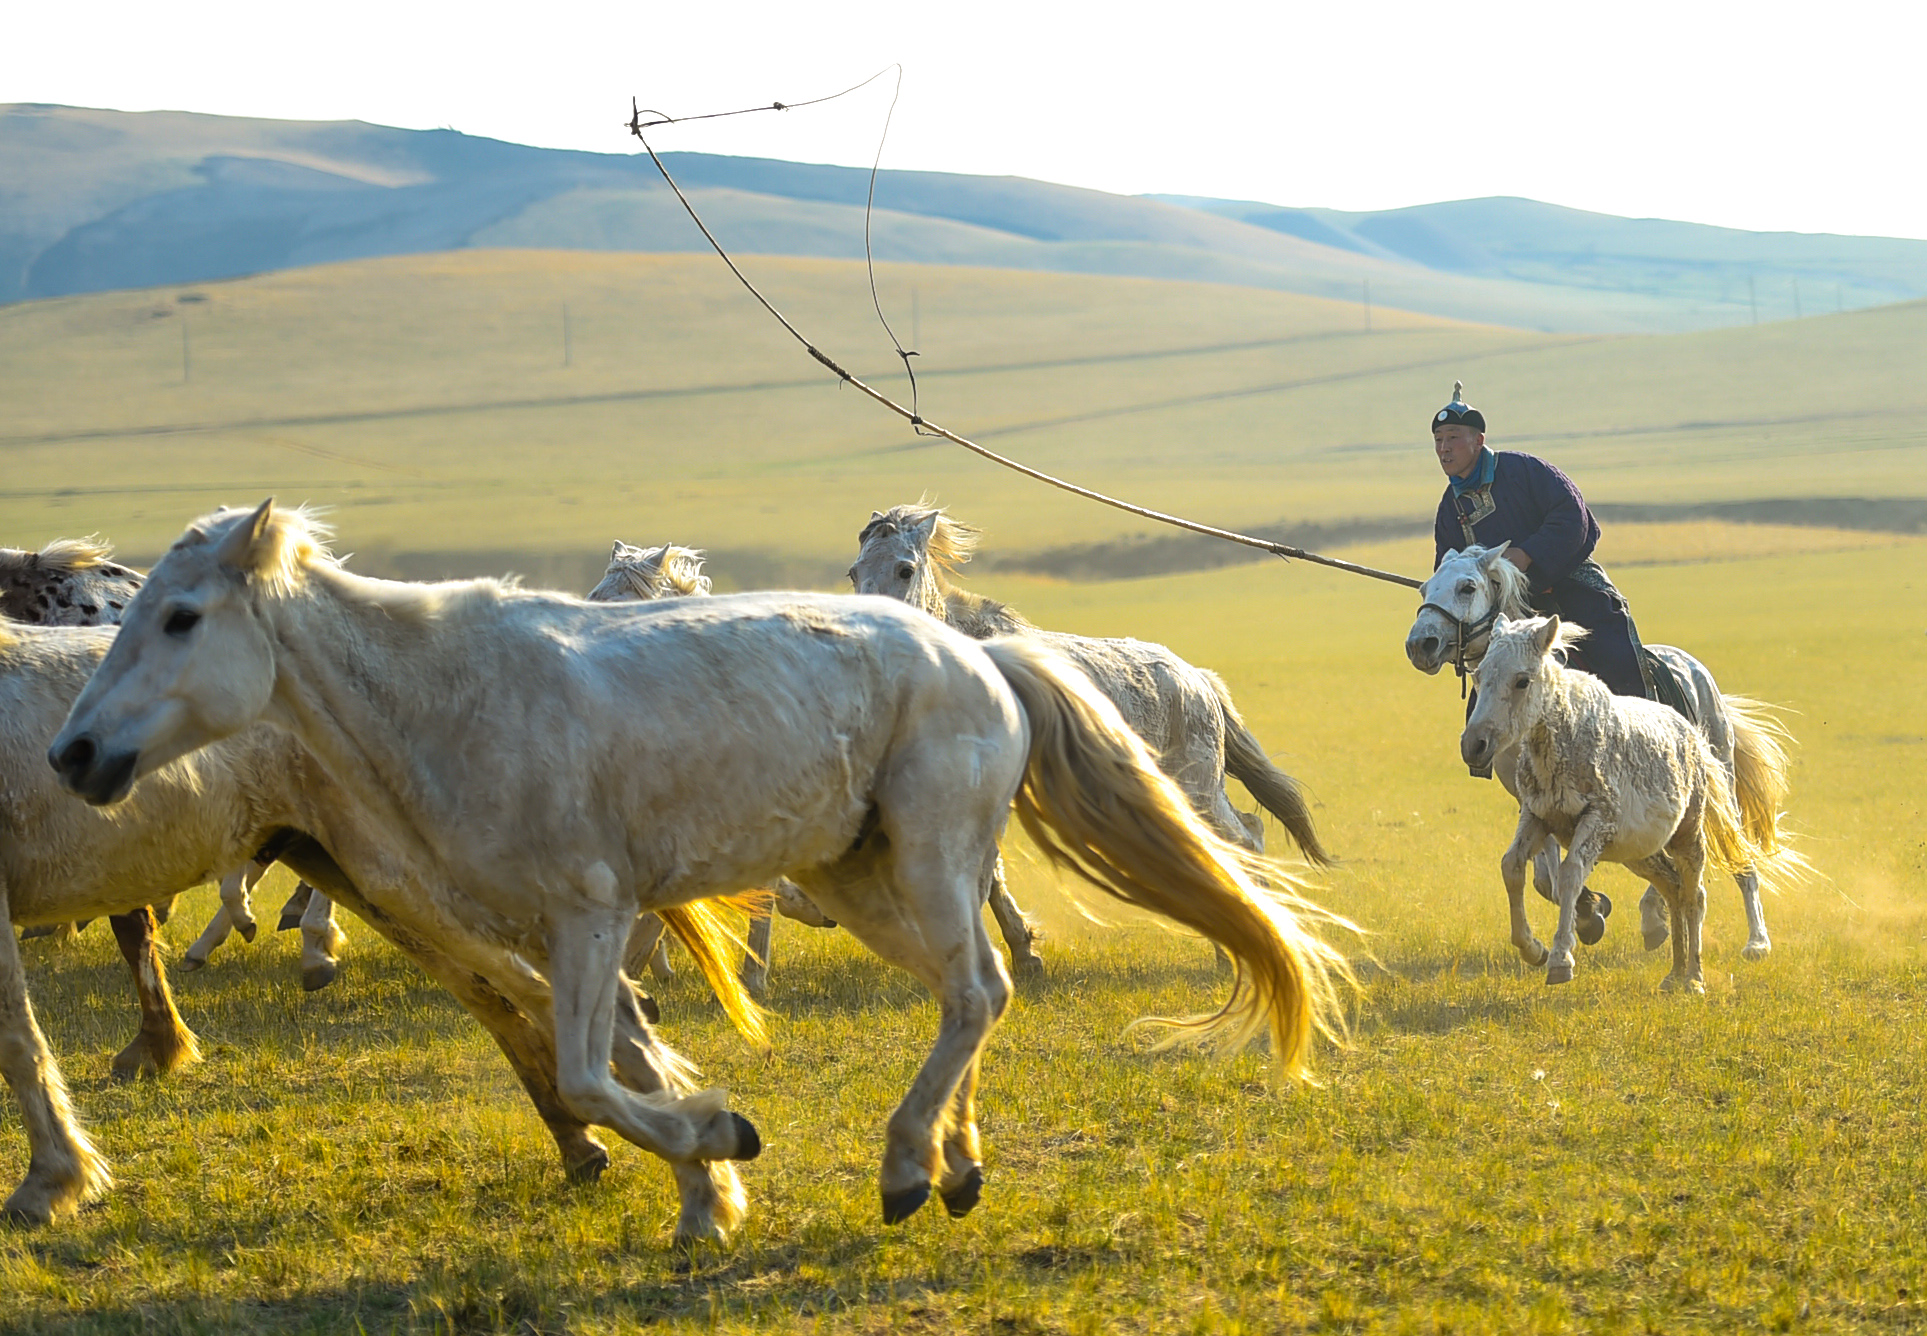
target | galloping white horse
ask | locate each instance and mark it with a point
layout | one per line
(529, 771)
(1462, 601)
(1612, 778)
(61, 860)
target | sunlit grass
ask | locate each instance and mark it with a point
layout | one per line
(1490, 1155)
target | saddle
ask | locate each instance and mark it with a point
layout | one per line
(1664, 685)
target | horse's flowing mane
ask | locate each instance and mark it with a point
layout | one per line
(63, 555)
(668, 571)
(1515, 591)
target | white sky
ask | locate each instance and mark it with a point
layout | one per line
(1748, 115)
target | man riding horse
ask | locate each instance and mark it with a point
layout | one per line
(1499, 498)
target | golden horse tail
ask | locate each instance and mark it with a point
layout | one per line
(1760, 744)
(1094, 799)
(1277, 792)
(710, 943)
(1731, 844)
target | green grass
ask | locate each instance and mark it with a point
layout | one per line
(1489, 1155)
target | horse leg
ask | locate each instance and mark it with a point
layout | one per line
(647, 947)
(584, 960)
(1758, 944)
(962, 1184)
(163, 1043)
(1652, 918)
(296, 906)
(63, 1168)
(212, 936)
(1528, 845)
(1020, 934)
(710, 1190)
(791, 903)
(927, 923)
(755, 971)
(321, 942)
(1589, 839)
(234, 897)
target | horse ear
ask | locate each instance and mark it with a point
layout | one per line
(237, 549)
(1548, 632)
(924, 529)
(1493, 554)
(1500, 623)
(875, 515)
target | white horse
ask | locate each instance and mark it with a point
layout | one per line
(1612, 778)
(1466, 595)
(529, 771)
(1182, 712)
(641, 575)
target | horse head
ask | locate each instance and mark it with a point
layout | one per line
(1468, 591)
(1511, 683)
(640, 574)
(195, 658)
(902, 553)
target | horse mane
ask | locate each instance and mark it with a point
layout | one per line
(293, 547)
(1522, 629)
(669, 571)
(1515, 590)
(952, 543)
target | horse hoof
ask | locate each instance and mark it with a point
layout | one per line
(315, 978)
(963, 1198)
(1028, 967)
(1591, 930)
(900, 1206)
(249, 932)
(590, 1169)
(748, 1144)
(189, 964)
(1539, 960)
(827, 923)
(288, 923)
(1558, 974)
(651, 1009)
(1755, 950)
(1654, 938)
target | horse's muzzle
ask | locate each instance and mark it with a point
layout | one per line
(1427, 653)
(84, 770)
(1475, 747)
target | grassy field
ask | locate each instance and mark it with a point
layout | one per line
(1487, 1155)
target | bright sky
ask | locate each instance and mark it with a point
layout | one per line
(1758, 115)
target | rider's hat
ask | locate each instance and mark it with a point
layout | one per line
(1459, 413)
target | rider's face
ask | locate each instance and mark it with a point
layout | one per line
(1458, 448)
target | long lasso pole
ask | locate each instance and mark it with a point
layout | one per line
(924, 425)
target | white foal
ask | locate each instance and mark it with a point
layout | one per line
(1613, 779)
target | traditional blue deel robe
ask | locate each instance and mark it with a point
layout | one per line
(1522, 500)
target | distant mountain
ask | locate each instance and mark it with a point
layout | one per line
(1777, 274)
(94, 200)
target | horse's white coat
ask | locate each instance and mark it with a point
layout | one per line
(1476, 584)
(1613, 779)
(514, 771)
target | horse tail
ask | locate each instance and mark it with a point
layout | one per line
(710, 943)
(1760, 744)
(1277, 792)
(1731, 845)
(1094, 799)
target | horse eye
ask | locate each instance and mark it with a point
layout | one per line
(1466, 586)
(1521, 682)
(905, 570)
(181, 621)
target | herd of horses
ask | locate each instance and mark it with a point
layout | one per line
(500, 782)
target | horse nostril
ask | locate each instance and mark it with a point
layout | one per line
(1429, 645)
(76, 756)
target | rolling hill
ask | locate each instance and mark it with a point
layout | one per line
(102, 200)
(440, 404)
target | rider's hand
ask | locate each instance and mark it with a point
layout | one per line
(1518, 558)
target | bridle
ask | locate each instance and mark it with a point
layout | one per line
(1464, 633)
